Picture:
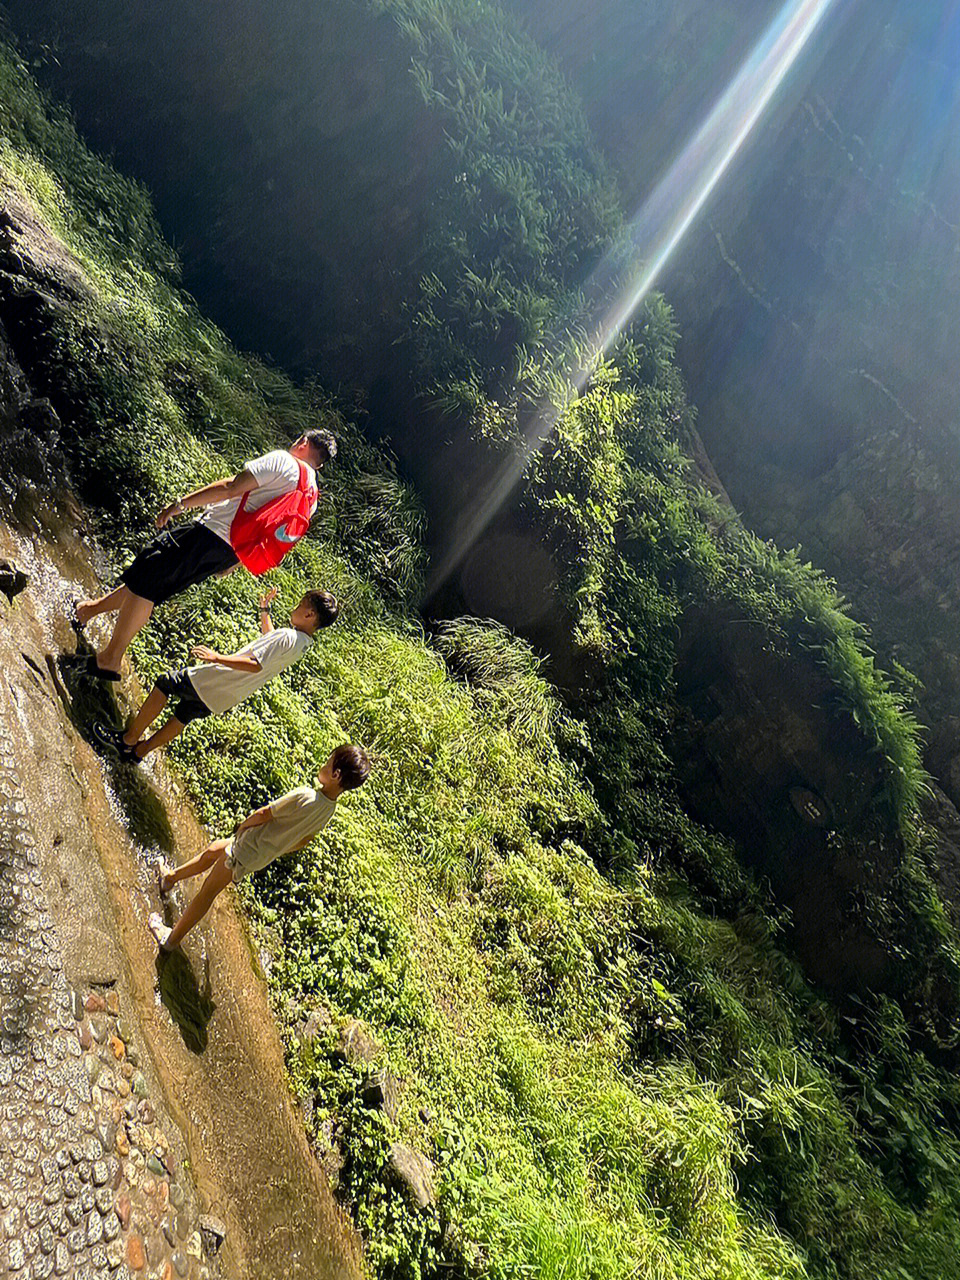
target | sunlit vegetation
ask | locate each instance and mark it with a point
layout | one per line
(602, 1040)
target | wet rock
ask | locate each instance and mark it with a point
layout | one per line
(39, 417)
(122, 1208)
(212, 1234)
(12, 580)
(136, 1258)
(412, 1172)
(107, 1133)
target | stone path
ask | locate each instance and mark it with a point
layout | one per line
(88, 1186)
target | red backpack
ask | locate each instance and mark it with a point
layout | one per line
(263, 537)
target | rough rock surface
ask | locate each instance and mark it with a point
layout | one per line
(413, 1173)
(770, 759)
(87, 1178)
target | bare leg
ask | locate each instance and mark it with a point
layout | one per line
(154, 704)
(87, 609)
(172, 729)
(134, 615)
(218, 879)
(169, 876)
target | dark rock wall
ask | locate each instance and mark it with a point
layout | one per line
(262, 131)
(819, 293)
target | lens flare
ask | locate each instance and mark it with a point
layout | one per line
(655, 232)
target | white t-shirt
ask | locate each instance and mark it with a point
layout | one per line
(297, 817)
(276, 474)
(221, 688)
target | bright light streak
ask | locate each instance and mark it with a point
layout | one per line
(659, 227)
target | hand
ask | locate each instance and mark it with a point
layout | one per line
(204, 653)
(168, 512)
(268, 597)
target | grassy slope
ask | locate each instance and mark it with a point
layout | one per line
(621, 1078)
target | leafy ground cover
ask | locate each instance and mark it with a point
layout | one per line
(603, 1045)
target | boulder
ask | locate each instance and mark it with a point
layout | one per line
(412, 1172)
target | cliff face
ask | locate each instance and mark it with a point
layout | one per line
(818, 298)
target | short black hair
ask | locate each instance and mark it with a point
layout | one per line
(323, 443)
(324, 605)
(352, 765)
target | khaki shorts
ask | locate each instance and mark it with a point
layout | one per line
(233, 858)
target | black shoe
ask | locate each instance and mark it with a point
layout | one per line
(105, 736)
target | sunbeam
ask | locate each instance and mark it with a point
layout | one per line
(656, 231)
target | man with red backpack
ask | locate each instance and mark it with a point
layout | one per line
(252, 519)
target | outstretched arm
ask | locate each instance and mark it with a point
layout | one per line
(235, 661)
(266, 600)
(243, 482)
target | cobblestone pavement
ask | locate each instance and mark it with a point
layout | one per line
(88, 1187)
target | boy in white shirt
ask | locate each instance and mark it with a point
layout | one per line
(281, 827)
(180, 557)
(221, 680)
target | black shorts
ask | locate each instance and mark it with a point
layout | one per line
(177, 559)
(190, 706)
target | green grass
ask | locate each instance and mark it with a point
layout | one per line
(602, 1044)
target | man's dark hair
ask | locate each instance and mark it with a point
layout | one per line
(323, 444)
(324, 605)
(352, 766)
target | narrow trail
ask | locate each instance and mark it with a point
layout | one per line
(195, 1033)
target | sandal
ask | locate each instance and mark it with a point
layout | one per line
(163, 870)
(159, 930)
(100, 673)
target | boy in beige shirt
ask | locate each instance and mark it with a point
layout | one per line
(281, 827)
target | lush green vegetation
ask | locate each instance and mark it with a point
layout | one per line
(602, 1041)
